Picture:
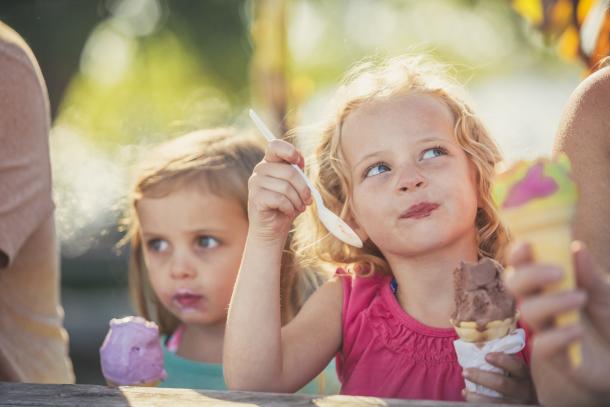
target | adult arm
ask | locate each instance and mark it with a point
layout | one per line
(584, 135)
(25, 180)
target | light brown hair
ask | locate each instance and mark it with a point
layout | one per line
(219, 162)
(375, 81)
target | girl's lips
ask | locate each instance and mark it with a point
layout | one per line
(186, 299)
(419, 210)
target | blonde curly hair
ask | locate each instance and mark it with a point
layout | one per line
(375, 81)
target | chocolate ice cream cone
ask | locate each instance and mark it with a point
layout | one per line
(485, 318)
(470, 331)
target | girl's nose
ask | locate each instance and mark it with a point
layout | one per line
(410, 179)
(182, 268)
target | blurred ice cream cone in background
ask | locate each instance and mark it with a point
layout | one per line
(537, 202)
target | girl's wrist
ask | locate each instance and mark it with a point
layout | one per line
(265, 243)
(262, 256)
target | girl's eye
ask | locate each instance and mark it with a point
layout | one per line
(207, 242)
(433, 153)
(157, 245)
(376, 169)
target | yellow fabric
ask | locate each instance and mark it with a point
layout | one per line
(581, 27)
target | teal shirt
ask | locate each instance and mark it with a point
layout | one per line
(185, 373)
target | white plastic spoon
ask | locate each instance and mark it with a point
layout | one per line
(334, 224)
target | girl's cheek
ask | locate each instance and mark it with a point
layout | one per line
(149, 262)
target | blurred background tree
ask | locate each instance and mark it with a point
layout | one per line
(126, 73)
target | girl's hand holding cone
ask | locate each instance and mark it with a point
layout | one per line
(515, 385)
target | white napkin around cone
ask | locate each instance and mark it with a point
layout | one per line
(471, 355)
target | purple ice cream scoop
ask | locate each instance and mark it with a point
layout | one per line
(131, 353)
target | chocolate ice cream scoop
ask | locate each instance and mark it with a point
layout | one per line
(480, 295)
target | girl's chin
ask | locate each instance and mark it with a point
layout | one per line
(201, 318)
(414, 249)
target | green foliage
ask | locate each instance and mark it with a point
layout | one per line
(133, 88)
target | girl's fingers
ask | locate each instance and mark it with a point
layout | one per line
(532, 278)
(511, 364)
(550, 343)
(281, 151)
(271, 200)
(473, 397)
(285, 188)
(539, 310)
(287, 173)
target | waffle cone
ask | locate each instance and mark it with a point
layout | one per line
(550, 235)
(537, 200)
(468, 331)
(150, 383)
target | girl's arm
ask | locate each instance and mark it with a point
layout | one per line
(258, 353)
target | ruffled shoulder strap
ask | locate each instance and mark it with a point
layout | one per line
(173, 341)
(358, 292)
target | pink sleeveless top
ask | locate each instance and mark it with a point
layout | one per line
(387, 353)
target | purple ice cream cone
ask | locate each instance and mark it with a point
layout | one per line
(131, 353)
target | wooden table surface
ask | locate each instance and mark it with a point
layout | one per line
(73, 395)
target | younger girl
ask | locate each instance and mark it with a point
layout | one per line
(409, 166)
(187, 230)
